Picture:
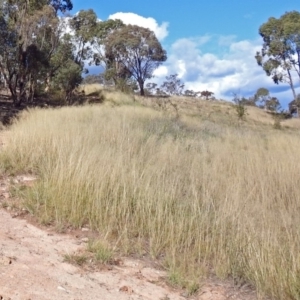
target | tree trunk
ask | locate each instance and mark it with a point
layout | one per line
(17, 97)
(31, 90)
(292, 84)
(47, 81)
(141, 85)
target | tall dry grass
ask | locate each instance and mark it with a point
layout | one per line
(201, 197)
(112, 97)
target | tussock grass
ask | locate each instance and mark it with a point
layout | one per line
(101, 251)
(76, 259)
(202, 197)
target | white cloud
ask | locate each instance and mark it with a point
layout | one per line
(160, 72)
(161, 31)
(234, 70)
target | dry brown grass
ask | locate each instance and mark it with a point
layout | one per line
(201, 194)
(189, 108)
(90, 88)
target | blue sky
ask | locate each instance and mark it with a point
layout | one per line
(210, 44)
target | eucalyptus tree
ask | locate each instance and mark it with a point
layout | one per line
(28, 38)
(273, 104)
(206, 94)
(191, 93)
(133, 52)
(84, 25)
(103, 30)
(262, 95)
(173, 85)
(280, 54)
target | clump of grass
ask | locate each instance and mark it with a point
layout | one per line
(102, 252)
(76, 259)
(223, 199)
(277, 122)
(240, 108)
(177, 279)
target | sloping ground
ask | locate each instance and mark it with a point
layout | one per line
(220, 111)
(32, 266)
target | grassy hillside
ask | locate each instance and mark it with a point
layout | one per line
(199, 191)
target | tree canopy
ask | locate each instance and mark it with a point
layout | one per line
(173, 85)
(41, 49)
(133, 51)
(280, 54)
(30, 39)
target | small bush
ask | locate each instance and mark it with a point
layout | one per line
(101, 251)
(240, 108)
(277, 123)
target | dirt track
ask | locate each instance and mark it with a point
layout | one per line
(32, 267)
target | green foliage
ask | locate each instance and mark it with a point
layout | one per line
(190, 93)
(30, 37)
(295, 105)
(102, 32)
(151, 88)
(68, 78)
(206, 94)
(268, 102)
(84, 25)
(240, 108)
(101, 251)
(261, 96)
(248, 101)
(261, 93)
(241, 111)
(37, 54)
(278, 56)
(76, 259)
(272, 104)
(133, 52)
(173, 85)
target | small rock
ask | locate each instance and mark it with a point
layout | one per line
(184, 294)
(27, 178)
(5, 261)
(126, 289)
(84, 229)
(85, 240)
(62, 288)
